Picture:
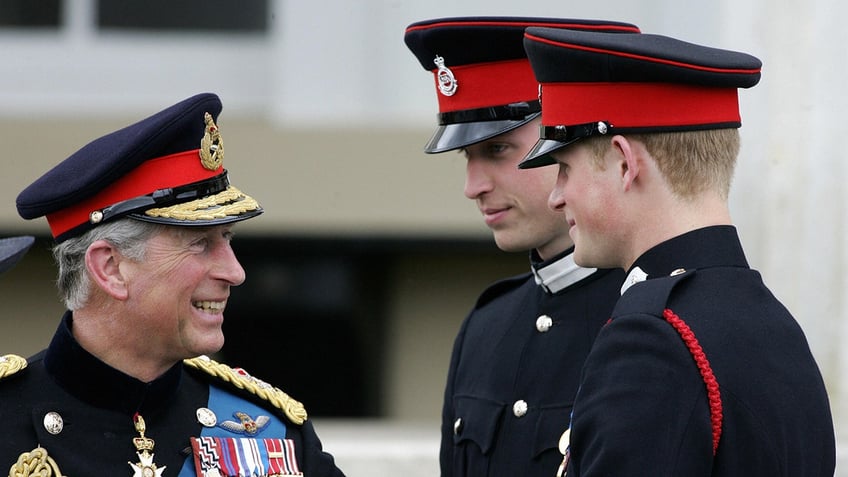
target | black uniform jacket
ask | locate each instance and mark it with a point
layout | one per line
(513, 374)
(643, 406)
(81, 412)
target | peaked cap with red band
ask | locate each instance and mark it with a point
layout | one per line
(167, 168)
(484, 83)
(595, 83)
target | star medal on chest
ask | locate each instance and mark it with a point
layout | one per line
(144, 447)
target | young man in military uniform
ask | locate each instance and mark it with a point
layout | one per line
(143, 219)
(701, 370)
(517, 358)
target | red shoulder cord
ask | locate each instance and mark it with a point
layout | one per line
(713, 394)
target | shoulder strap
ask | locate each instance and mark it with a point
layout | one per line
(11, 364)
(650, 296)
(653, 298)
(293, 409)
(501, 287)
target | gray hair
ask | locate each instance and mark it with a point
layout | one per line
(128, 235)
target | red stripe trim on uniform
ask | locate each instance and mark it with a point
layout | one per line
(163, 172)
(489, 84)
(570, 26)
(651, 59)
(638, 105)
(713, 392)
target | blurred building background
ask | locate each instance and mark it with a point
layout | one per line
(368, 255)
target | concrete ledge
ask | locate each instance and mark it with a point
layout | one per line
(366, 448)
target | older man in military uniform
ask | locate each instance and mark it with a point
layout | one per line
(516, 360)
(143, 219)
(701, 370)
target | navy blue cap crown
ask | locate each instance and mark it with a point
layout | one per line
(595, 83)
(476, 40)
(484, 83)
(156, 170)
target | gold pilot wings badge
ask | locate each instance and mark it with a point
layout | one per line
(246, 425)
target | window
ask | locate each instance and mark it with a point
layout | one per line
(220, 16)
(30, 14)
(310, 320)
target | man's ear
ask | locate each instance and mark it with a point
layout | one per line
(625, 154)
(103, 261)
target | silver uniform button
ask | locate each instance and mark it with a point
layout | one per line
(206, 417)
(53, 422)
(457, 426)
(519, 408)
(544, 323)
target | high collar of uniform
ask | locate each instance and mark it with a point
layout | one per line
(91, 380)
(715, 246)
(558, 273)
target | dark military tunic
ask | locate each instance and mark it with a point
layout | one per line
(97, 404)
(643, 406)
(515, 368)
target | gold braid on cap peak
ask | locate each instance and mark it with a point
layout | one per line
(292, 408)
(11, 364)
(231, 201)
(35, 463)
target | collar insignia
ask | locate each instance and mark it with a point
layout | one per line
(636, 275)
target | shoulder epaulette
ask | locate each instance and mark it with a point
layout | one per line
(292, 408)
(11, 364)
(653, 294)
(501, 287)
(653, 298)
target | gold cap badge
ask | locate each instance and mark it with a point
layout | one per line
(212, 145)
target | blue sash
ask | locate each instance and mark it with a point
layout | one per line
(243, 440)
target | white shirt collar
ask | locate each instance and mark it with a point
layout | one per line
(560, 274)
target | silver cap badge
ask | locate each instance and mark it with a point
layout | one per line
(447, 82)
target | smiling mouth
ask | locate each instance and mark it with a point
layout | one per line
(493, 214)
(209, 306)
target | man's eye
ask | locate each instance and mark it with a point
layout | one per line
(498, 148)
(199, 243)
